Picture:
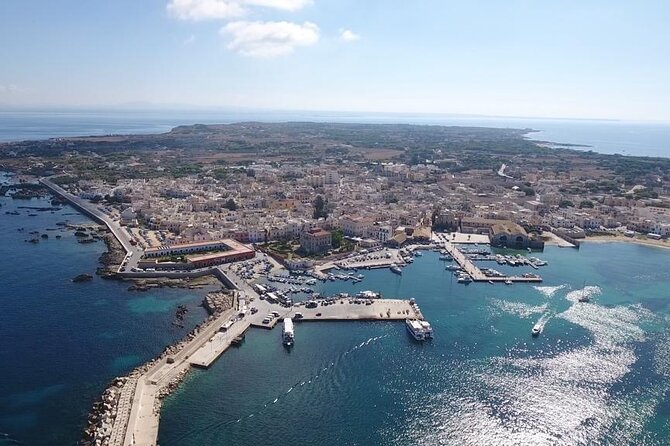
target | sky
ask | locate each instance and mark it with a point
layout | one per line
(542, 58)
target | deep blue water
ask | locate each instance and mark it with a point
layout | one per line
(599, 373)
(628, 138)
(62, 342)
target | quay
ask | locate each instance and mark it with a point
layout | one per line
(139, 406)
(476, 274)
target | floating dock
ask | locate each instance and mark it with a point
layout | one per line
(476, 274)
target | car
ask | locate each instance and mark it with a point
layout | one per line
(254, 310)
(266, 321)
(275, 313)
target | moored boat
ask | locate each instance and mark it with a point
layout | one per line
(288, 336)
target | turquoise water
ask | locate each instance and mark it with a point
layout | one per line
(62, 342)
(598, 374)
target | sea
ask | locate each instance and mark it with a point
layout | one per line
(598, 374)
(604, 136)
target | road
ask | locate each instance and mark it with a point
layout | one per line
(133, 253)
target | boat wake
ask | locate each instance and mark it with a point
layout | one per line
(567, 398)
(543, 321)
(587, 291)
(519, 308)
(549, 291)
(292, 389)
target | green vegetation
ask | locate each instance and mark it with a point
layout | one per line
(338, 237)
(231, 205)
(320, 208)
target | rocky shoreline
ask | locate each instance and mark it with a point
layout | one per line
(104, 412)
(110, 259)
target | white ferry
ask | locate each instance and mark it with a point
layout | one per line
(420, 330)
(396, 269)
(287, 334)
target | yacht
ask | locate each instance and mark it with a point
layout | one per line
(452, 268)
(287, 334)
(420, 330)
(446, 258)
(396, 269)
(464, 278)
(537, 329)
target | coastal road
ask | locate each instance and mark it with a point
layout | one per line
(133, 253)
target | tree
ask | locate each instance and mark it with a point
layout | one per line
(320, 210)
(586, 204)
(338, 237)
(565, 204)
(231, 205)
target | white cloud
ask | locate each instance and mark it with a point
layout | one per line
(196, 10)
(269, 39)
(205, 9)
(349, 36)
(189, 40)
(286, 5)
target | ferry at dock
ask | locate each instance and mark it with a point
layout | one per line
(420, 330)
(288, 336)
(396, 269)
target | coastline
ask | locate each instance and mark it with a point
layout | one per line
(622, 239)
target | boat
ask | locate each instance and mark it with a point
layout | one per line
(420, 330)
(237, 340)
(396, 269)
(288, 335)
(446, 258)
(583, 297)
(464, 278)
(452, 268)
(508, 282)
(418, 253)
(537, 329)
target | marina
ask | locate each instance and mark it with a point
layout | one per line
(472, 273)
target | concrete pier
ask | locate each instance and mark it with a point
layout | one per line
(344, 309)
(476, 274)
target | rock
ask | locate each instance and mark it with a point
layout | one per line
(82, 278)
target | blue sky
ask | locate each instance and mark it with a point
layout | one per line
(580, 59)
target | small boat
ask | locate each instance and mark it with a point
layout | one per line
(452, 268)
(396, 269)
(446, 258)
(464, 278)
(418, 253)
(420, 330)
(508, 282)
(537, 329)
(583, 297)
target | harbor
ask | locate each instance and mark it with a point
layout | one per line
(477, 275)
(138, 411)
